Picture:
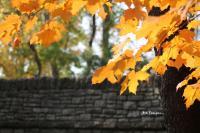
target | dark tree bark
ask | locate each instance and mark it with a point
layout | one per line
(178, 118)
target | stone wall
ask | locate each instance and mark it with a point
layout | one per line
(63, 106)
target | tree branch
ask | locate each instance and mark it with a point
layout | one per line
(37, 60)
(155, 11)
(93, 30)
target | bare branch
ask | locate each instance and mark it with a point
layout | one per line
(93, 30)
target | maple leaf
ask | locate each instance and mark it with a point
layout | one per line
(77, 5)
(126, 26)
(163, 4)
(51, 32)
(117, 48)
(131, 81)
(187, 35)
(99, 75)
(62, 10)
(166, 23)
(195, 74)
(27, 6)
(130, 20)
(142, 49)
(30, 23)
(197, 7)
(191, 61)
(193, 24)
(168, 54)
(136, 13)
(192, 93)
(175, 44)
(114, 70)
(156, 65)
(94, 5)
(178, 62)
(9, 27)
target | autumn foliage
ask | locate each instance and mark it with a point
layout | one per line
(170, 33)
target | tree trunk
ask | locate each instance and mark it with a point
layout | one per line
(106, 46)
(54, 70)
(178, 119)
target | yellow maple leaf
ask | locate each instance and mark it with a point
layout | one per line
(169, 53)
(163, 4)
(30, 23)
(124, 86)
(118, 47)
(142, 76)
(99, 75)
(145, 48)
(132, 81)
(192, 93)
(195, 74)
(197, 7)
(9, 27)
(166, 32)
(164, 25)
(51, 32)
(126, 26)
(114, 70)
(191, 61)
(156, 65)
(77, 5)
(193, 24)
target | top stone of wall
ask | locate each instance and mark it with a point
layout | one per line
(67, 103)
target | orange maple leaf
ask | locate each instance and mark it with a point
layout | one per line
(27, 6)
(51, 32)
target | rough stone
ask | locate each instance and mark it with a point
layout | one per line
(144, 103)
(129, 105)
(133, 114)
(19, 131)
(99, 103)
(73, 106)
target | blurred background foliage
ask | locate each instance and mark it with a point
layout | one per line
(74, 56)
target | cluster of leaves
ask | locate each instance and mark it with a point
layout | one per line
(38, 27)
(169, 31)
